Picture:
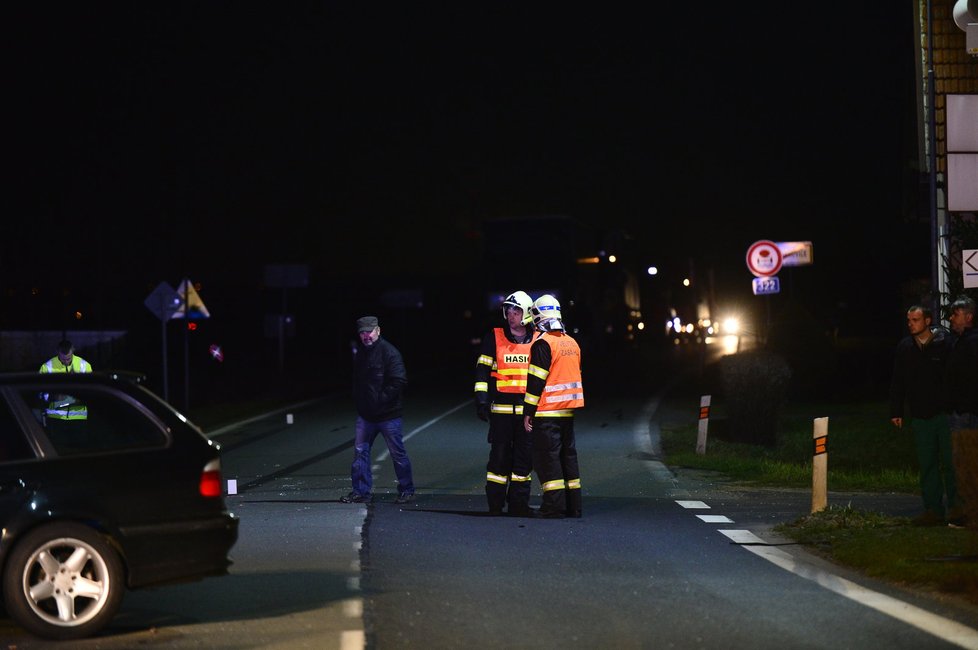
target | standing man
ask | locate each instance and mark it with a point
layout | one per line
(554, 389)
(962, 391)
(917, 386)
(66, 360)
(65, 408)
(500, 383)
(379, 379)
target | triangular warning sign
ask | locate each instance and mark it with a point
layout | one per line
(190, 302)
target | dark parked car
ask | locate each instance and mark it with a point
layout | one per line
(121, 493)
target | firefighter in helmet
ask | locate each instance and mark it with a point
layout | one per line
(554, 390)
(500, 381)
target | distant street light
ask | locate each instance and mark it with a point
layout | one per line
(653, 270)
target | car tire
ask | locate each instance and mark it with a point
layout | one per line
(63, 581)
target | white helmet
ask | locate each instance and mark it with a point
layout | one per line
(523, 301)
(546, 313)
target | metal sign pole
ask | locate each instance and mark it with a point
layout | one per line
(186, 345)
(166, 381)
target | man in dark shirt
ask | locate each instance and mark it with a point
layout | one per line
(962, 391)
(917, 387)
(379, 379)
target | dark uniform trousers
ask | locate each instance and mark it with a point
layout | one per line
(555, 460)
(510, 464)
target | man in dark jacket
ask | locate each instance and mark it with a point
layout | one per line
(379, 379)
(962, 391)
(917, 386)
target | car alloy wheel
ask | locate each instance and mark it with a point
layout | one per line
(63, 581)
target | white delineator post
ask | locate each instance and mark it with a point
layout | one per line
(703, 424)
(820, 465)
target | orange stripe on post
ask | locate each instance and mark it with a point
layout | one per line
(821, 444)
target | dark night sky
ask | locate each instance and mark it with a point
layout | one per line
(156, 140)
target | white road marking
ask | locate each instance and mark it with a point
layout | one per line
(384, 454)
(715, 519)
(352, 640)
(693, 504)
(234, 425)
(942, 628)
(743, 537)
(353, 607)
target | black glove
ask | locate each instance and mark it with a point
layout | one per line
(482, 410)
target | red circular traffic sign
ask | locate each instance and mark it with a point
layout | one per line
(764, 258)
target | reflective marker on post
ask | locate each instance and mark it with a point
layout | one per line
(703, 424)
(288, 418)
(820, 463)
(232, 486)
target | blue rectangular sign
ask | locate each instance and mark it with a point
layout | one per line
(766, 285)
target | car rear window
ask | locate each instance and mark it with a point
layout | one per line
(91, 421)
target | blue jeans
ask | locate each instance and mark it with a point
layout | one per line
(360, 471)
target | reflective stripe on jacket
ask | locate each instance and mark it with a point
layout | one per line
(66, 407)
(564, 388)
(511, 363)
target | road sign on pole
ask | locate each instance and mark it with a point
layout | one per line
(164, 302)
(969, 266)
(766, 285)
(764, 258)
(796, 253)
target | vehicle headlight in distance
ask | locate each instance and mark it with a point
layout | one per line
(731, 325)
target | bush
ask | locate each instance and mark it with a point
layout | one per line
(755, 385)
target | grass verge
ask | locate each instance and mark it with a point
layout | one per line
(865, 452)
(937, 559)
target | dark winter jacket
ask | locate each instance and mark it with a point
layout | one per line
(962, 373)
(379, 379)
(918, 376)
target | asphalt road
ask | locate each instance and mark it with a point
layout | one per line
(659, 559)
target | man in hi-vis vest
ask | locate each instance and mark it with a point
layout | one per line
(554, 389)
(65, 408)
(500, 382)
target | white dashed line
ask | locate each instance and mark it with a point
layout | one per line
(715, 519)
(353, 608)
(693, 505)
(743, 537)
(352, 639)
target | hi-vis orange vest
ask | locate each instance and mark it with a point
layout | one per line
(565, 387)
(512, 360)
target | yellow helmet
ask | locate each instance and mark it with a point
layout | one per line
(546, 313)
(521, 300)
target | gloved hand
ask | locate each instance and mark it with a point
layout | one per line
(482, 410)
